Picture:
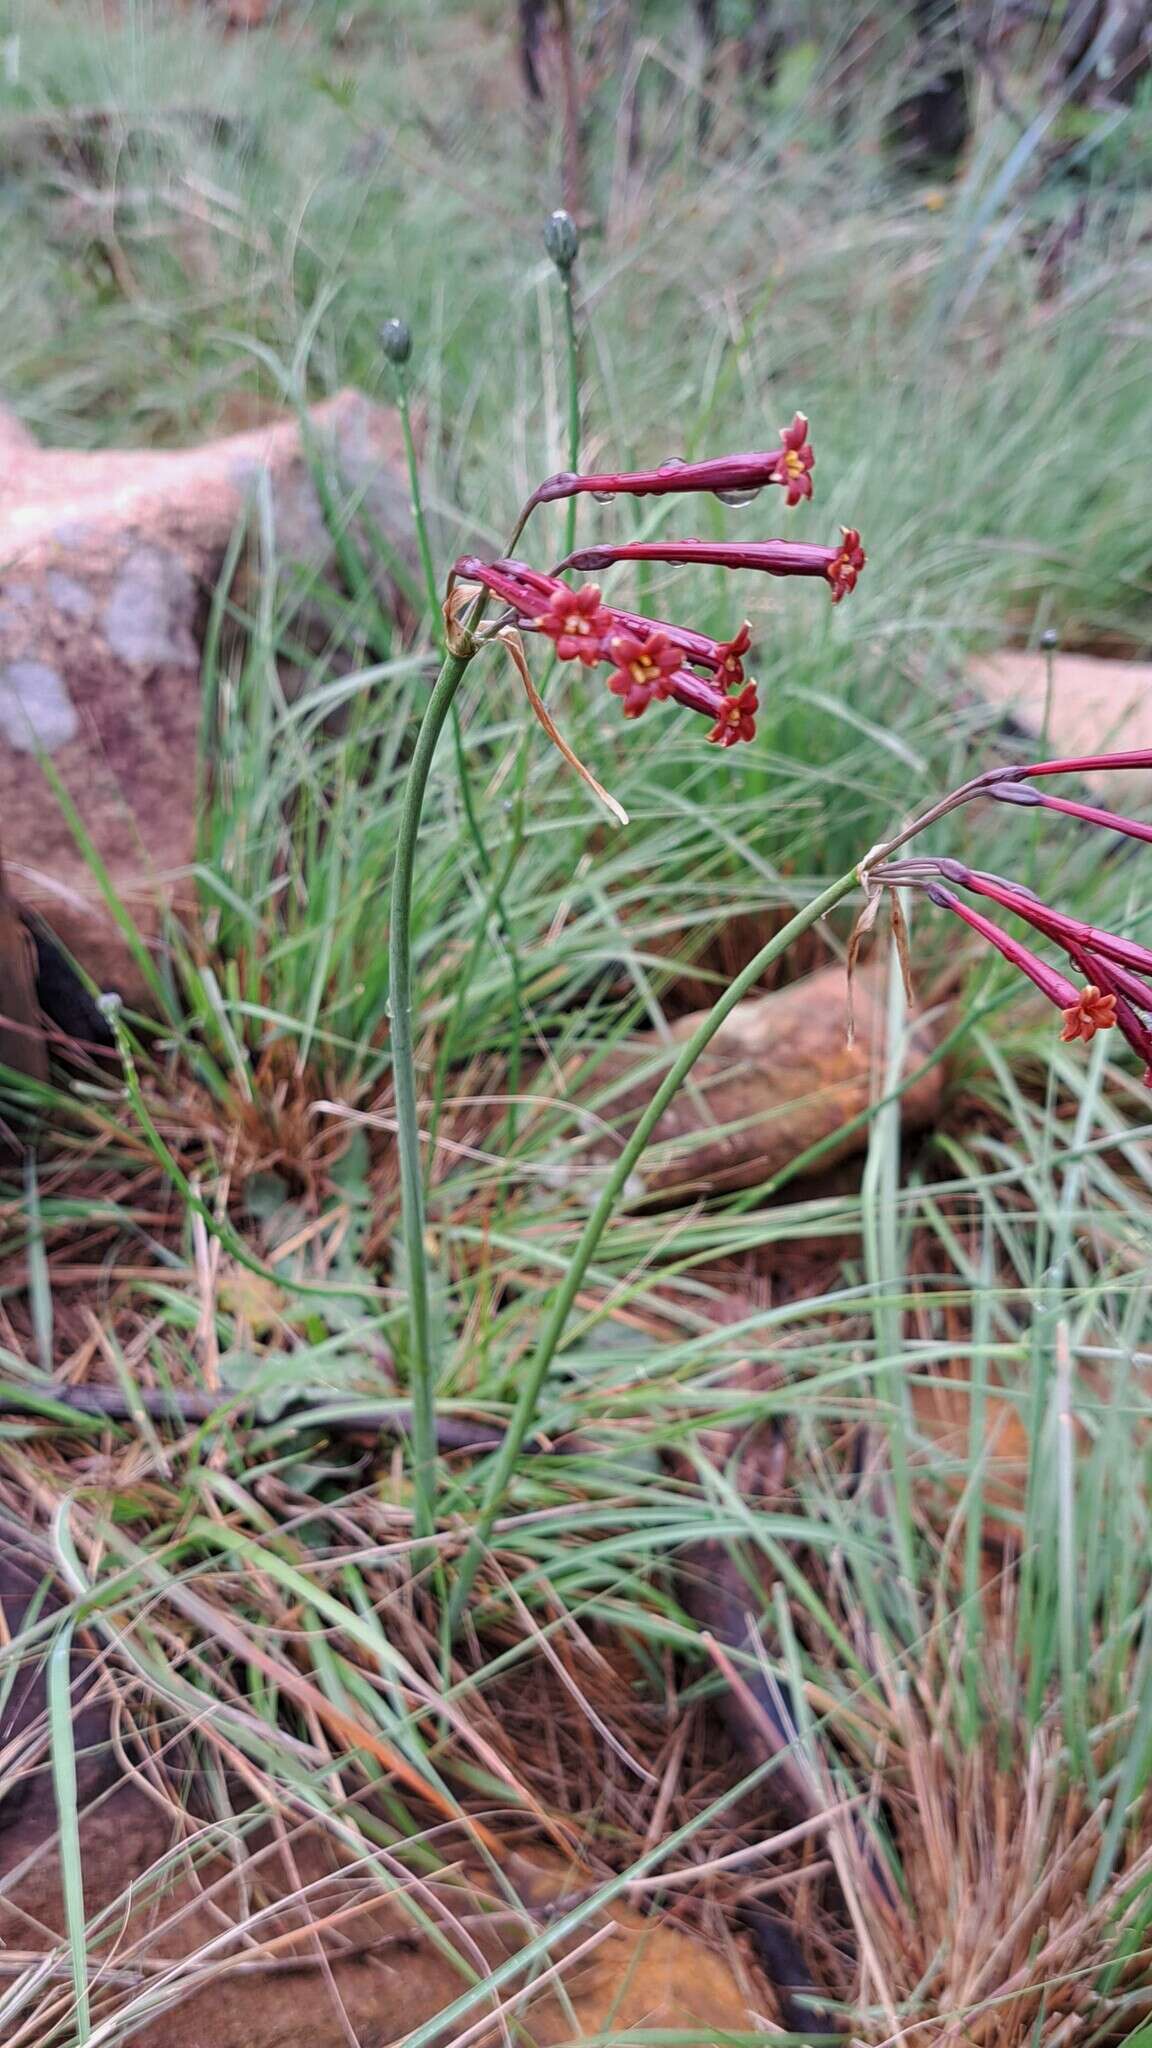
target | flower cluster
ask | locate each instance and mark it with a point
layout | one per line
(1115, 986)
(651, 661)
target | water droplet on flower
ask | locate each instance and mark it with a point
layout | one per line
(603, 497)
(742, 495)
(673, 462)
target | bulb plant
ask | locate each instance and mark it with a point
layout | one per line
(647, 662)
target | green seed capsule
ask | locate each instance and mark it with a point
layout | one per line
(396, 341)
(562, 240)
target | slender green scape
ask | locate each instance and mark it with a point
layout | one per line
(68, 1818)
(421, 1364)
(563, 245)
(397, 347)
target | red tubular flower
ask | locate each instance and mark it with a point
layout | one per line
(1111, 995)
(1092, 1011)
(1117, 971)
(578, 623)
(844, 569)
(701, 693)
(1056, 987)
(723, 656)
(740, 476)
(731, 665)
(1115, 1006)
(1073, 764)
(794, 469)
(575, 619)
(1069, 932)
(509, 580)
(644, 667)
(1020, 793)
(737, 721)
(838, 566)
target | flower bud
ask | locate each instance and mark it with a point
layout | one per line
(396, 341)
(562, 240)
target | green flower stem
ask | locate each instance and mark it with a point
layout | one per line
(419, 520)
(535, 1373)
(520, 777)
(63, 1732)
(432, 589)
(496, 905)
(572, 350)
(441, 705)
(421, 1365)
(498, 882)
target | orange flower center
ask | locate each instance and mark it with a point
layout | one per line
(793, 463)
(643, 669)
(1100, 1006)
(576, 622)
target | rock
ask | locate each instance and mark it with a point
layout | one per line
(1096, 706)
(22, 1046)
(109, 563)
(778, 1078)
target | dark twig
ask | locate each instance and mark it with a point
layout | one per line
(349, 1417)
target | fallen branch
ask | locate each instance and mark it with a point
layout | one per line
(78, 1406)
